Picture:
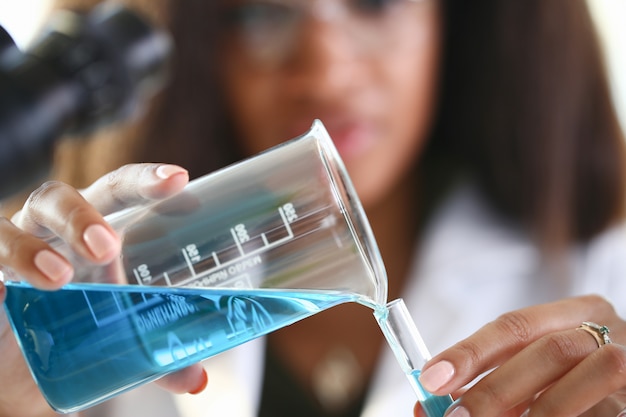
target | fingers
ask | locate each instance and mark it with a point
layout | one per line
(533, 370)
(60, 209)
(499, 340)
(540, 359)
(192, 380)
(76, 217)
(135, 184)
(580, 388)
(31, 257)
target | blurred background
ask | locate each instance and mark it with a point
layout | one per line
(23, 18)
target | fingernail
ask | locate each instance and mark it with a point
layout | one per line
(53, 266)
(203, 383)
(437, 376)
(458, 412)
(622, 413)
(166, 171)
(100, 241)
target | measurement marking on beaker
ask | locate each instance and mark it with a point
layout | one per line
(240, 236)
(167, 279)
(137, 276)
(225, 265)
(285, 221)
(188, 261)
(232, 231)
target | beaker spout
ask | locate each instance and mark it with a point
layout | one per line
(410, 351)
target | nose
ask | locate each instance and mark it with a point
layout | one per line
(325, 62)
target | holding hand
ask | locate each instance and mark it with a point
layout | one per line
(545, 362)
(76, 217)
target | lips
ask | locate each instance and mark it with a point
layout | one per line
(352, 139)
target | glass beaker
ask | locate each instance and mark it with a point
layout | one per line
(239, 253)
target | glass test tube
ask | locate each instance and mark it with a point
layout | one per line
(410, 351)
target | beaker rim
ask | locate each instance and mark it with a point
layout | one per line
(355, 214)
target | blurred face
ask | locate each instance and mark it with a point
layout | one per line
(366, 68)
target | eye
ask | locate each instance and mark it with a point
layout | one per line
(257, 16)
(374, 7)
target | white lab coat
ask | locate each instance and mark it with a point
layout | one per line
(474, 267)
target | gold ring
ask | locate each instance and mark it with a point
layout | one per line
(599, 333)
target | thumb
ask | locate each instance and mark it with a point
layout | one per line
(192, 379)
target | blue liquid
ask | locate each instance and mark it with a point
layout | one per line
(86, 343)
(433, 405)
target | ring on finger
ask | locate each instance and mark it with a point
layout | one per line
(599, 333)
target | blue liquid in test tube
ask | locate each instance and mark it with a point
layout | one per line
(433, 405)
(410, 351)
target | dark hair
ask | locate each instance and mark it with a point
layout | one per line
(190, 109)
(524, 105)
